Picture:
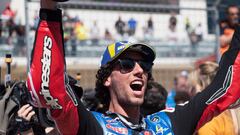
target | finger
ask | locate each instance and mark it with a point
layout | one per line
(29, 116)
(22, 109)
(26, 111)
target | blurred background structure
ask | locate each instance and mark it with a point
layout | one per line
(184, 33)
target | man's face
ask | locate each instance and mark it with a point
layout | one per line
(182, 84)
(233, 15)
(127, 87)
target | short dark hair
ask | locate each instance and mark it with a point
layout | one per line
(181, 97)
(154, 101)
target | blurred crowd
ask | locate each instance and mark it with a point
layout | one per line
(126, 30)
(12, 33)
(77, 33)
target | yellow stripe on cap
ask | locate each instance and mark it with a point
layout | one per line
(111, 50)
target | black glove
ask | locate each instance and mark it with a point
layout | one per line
(22, 124)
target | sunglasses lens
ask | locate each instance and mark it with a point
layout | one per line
(127, 65)
(146, 66)
(232, 14)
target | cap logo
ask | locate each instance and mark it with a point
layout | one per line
(111, 50)
(121, 47)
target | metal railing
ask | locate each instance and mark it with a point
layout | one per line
(88, 48)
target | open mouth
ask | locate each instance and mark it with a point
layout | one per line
(136, 86)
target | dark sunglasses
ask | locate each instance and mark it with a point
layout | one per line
(127, 65)
(232, 14)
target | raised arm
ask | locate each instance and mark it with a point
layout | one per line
(222, 93)
(47, 80)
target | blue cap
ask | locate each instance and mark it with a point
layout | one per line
(116, 49)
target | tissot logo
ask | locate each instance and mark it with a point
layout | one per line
(46, 63)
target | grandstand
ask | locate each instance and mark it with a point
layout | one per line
(176, 50)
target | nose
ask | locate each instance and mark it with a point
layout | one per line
(138, 69)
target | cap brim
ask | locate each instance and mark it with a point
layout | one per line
(145, 50)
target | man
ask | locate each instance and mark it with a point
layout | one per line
(120, 26)
(132, 25)
(227, 27)
(180, 85)
(122, 77)
(154, 99)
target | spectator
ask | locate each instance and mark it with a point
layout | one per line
(181, 97)
(25, 115)
(17, 115)
(9, 15)
(227, 27)
(78, 77)
(95, 32)
(108, 36)
(148, 30)
(150, 23)
(194, 36)
(73, 40)
(29, 124)
(132, 25)
(201, 77)
(154, 99)
(120, 26)
(172, 34)
(194, 43)
(199, 32)
(172, 22)
(81, 31)
(180, 85)
(172, 37)
(8, 12)
(91, 102)
(89, 99)
(68, 25)
(187, 25)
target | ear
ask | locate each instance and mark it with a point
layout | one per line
(107, 82)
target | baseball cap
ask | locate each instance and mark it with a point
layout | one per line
(113, 51)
